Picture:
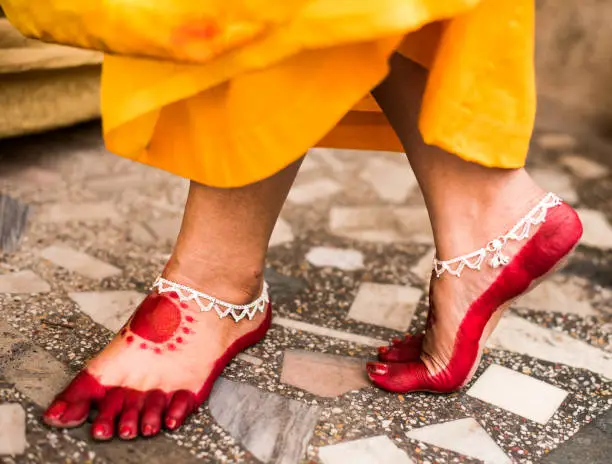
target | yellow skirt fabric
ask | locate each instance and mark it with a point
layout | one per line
(253, 110)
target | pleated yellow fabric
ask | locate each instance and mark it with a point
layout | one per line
(253, 108)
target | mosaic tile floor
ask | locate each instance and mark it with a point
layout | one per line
(79, 255)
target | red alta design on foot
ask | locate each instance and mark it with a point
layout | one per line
(402, 371)
(159, 325)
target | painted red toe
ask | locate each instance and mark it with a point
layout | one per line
(152, 411)
(182, 404)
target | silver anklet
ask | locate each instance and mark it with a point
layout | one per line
(207, 303)
(495, 247)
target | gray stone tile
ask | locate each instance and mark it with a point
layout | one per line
(81, 263)
(597, 230)
(516, 334)
(347, 260)
(583, 167)
(310, 192)
(22, 282)
(415, 224)
(33, 371)
(67, 212)
(112, 309)
(283, 286)
(370, 224)
(592, 444)
(140, 233)
(282, 233)
(373, 450)
(323, 374)
(518, 393)
(13, 220)
(390, 306)
(464, 436)
(556, 141)
(325, 332)
(391, 181)
(274, 429)
(556, 181)
(561, 293)
(13, 430)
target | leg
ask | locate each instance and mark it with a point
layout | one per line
(469, 205)
(163, 363)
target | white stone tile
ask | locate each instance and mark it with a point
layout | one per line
(312, 191)
(250, 359)
(371, 224)
(78, 262)
(282, 233)
(391, 181)
(423, 267)
(518, 393)
(22, 282)
(561, 293)
(325, 332)
(415, 224)
(557, 182)
(330, 157)
(111, 309)
(463, 436)
(12, 429)
(390, 306)
(373, 450)
(556, 141)
(583, 167)
(347, 260)
(65, 212)
(167, 229)
(521, 336)
(309, 164)
(597, 230)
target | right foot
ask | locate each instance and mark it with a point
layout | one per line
(160, 367)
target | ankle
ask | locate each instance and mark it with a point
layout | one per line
(471, 218)
(240, 284)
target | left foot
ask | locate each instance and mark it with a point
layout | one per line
(162, 365)
(464, 311)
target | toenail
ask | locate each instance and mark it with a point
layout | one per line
(377, 369)
(383, 349)
(125, 431)
(171, 423)
(147, 430)
(396, 340)
(99, 431)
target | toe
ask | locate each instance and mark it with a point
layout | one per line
(128, 422)
(73, 414)
(71, 406)
(401, 377)
(181, 405)
(407, 350)
(152, 411)
(103, 427)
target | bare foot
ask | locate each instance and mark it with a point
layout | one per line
(160, 367)
(464, 310)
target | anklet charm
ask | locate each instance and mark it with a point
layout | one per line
(207, 303)
(495, 247)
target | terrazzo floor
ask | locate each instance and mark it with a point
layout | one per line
(79, 254)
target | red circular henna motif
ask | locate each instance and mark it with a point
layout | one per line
(171, 347)
(130, 339)
(157, 350)
(173, 295)
(157, 319)
(143, 346)
(179, 340)
(186, 330)
(184, 305)
(189, 319)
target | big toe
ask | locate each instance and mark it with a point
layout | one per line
(65, 414)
